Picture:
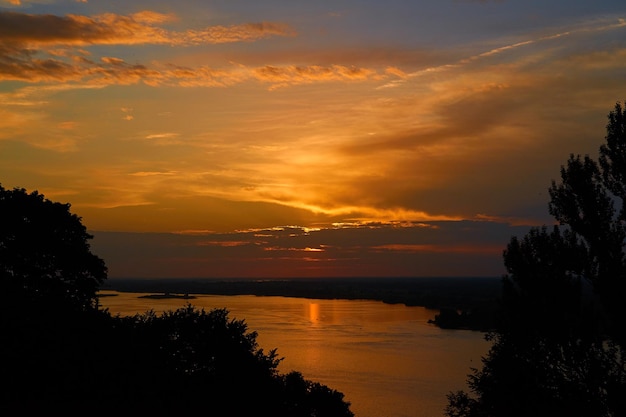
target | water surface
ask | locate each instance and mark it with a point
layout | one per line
(387, 359)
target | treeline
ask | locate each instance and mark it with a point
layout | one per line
(60, 354)
(188, 360)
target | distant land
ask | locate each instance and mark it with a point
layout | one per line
(168, 296)
(463, 302)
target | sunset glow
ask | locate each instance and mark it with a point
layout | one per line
(277, 139)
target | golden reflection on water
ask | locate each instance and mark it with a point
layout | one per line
(314, 313)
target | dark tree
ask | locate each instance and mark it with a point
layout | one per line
(191, 360)
(62, 355)
(585, 201)
(560, 345)
(49, 320)
(45, 254)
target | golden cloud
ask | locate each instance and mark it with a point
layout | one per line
(292, 249)
(235, 33)
(23, 66)
(44, 48)
(150, 17)
(49, 48)
(289, 75)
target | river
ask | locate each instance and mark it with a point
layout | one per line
(386, 358)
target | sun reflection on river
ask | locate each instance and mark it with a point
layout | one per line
(314, 313)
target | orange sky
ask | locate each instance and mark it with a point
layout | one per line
(404, 138)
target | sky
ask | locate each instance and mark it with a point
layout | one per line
(271, 139)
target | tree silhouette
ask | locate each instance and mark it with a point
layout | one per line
(61, 354)
(560, 345)
(45, 254)
(196, 359)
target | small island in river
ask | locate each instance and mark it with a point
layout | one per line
(167, 296)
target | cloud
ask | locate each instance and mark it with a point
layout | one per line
(235, 33)
(151, 17)
(168, 135)
(455, 141)
(276, 76)
(153, 173)
(128, 116)
(290, 75)
(292, 249)
(49, 48)
(23, 65)
(114, 29)
(396, 71)
(17, 3)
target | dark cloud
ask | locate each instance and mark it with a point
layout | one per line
(21, 28)
(139, 28)
(28, 42)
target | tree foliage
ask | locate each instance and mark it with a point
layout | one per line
(45, 252)
(560, 344)
(61, 354)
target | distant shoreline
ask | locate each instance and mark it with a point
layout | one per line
(435, 292)
(463, 302)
